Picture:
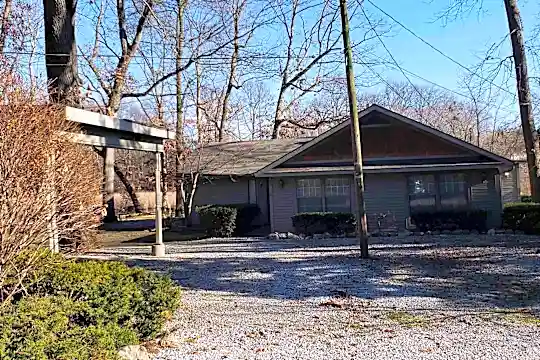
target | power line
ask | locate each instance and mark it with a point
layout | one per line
(438, 50)
(390, 53)
(203, 57)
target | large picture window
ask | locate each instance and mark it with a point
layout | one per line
(323, 195)
(309, 195)
(453, 190)
(337, 194)
(422, 193)
(442, 191)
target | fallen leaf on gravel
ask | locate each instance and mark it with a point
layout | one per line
(388, 330)
(259, 350)
(332, 303)
(426, 350)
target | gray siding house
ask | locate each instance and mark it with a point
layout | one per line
(408, 167)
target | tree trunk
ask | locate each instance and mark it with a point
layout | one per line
(61, 61)
(4, 24)
(179, 110)
(530, 134)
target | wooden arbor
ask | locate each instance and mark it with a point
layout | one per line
(105, 131)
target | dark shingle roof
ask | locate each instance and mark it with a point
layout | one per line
(244, 157)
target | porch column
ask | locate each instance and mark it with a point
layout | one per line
(158, 249)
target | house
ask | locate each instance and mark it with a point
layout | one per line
(408, 167)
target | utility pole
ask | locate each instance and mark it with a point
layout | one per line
(361, 221)
(530, 135)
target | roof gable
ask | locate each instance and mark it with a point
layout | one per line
(366, 119)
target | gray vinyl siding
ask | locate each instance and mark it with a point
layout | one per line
(386, 193)
(283, 203)
(486, 196)
(223, 191)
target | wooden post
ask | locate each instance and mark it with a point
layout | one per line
(158, 249)
(361, 221)
(108, 193)
(52, 226)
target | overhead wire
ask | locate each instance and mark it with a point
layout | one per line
(474, 73)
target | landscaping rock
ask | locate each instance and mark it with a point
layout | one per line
(404, 234)
(318, 236)
(170, 341)
(327, 235)
(446, 232)
(273, 236)
(475, 232)
(491, 232)
(509, 232)
(292, 236)
(465, 232)
(282, 235)
(436, 232)
(457, 232)
(134, 352)
(519, 232)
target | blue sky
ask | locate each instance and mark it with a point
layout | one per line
(463, 39)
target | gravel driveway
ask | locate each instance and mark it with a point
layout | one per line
(437, 297)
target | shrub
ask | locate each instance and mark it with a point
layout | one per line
(51, 328)
(522, 216)
(218, 221)
(245, 216)
(42, 173)
(526, 199)
(450, 220)
(113, 293)
(320, 222)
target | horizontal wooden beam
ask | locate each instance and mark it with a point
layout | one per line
(103, 121)
(113, 142)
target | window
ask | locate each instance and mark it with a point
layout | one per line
(330, 195)
(422, 193)
(337, 193)
(431, 192)
(309, 195)
(453, 190)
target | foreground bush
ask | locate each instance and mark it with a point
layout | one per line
(451, 220)
(53, 327)
(42, 173)
(522, 216)
(218, 221)
(318, 223)
(84, 310)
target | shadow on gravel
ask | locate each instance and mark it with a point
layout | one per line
(469, 271)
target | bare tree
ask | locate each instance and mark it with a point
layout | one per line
(530, 134)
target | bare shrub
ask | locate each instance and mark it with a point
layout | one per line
(43, 177)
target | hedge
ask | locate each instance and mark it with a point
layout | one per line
(85, 310)
(322, 222)
(450, 220)
(522, 216)
(218, 221)
(245, 216)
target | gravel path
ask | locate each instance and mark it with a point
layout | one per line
(417, 298)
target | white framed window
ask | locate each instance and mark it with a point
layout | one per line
(309, 195)
(422, 193)
(453, 190)
(328, 195)
(337, 193)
